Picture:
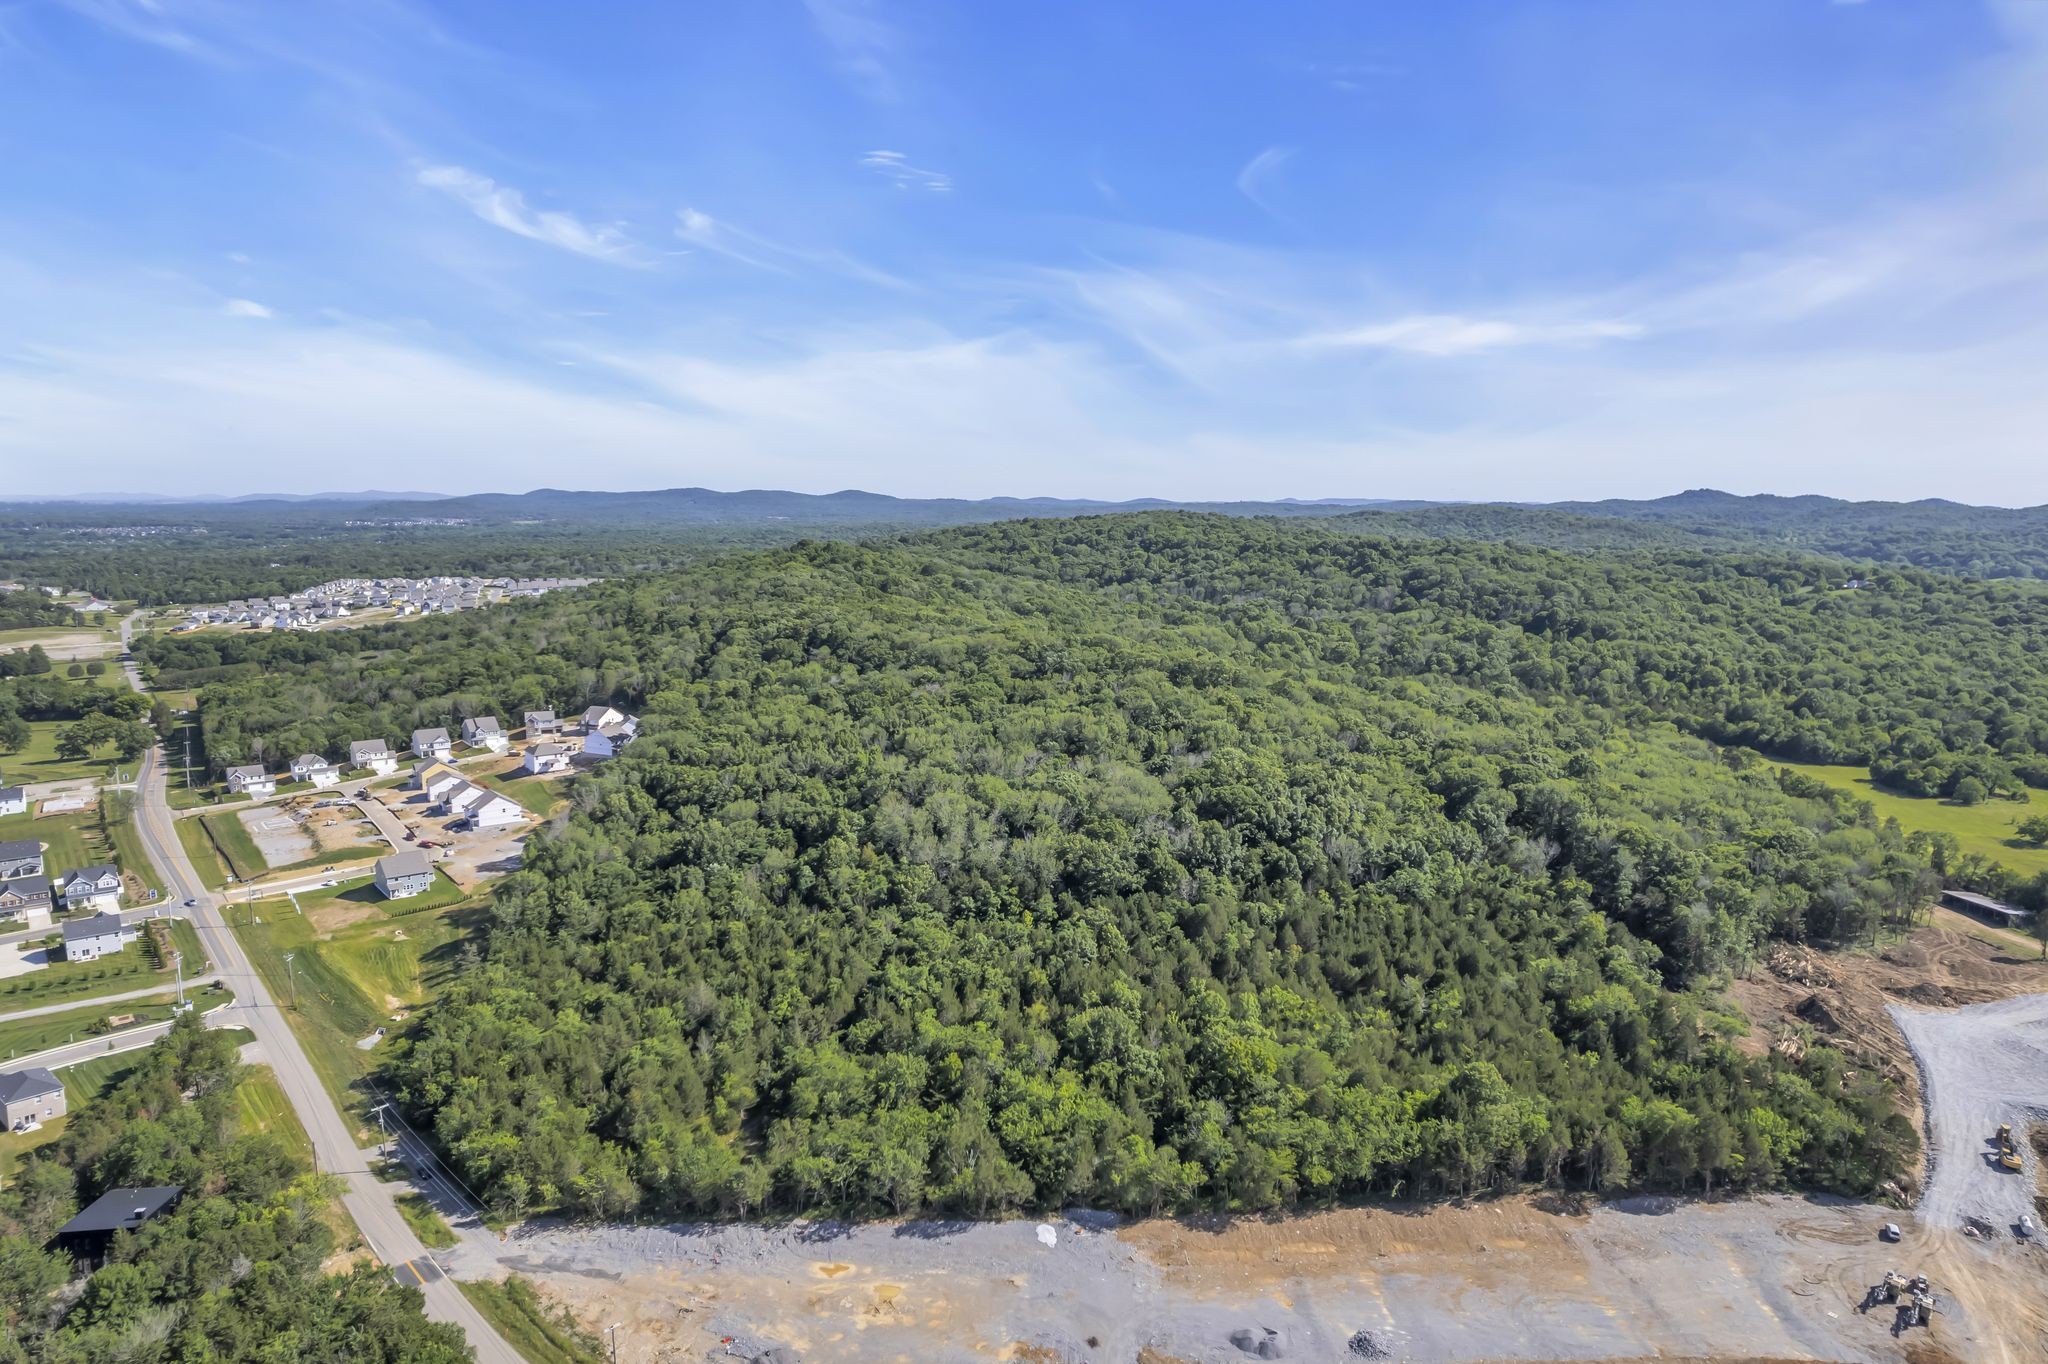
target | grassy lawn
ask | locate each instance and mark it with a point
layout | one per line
(237, 849)
(67, 838)
(419, 1214)
(88, 1080)
(198, 847)
(1986, 829)
(540, 795)
(126, 970)
(543, 1334)
(38, 761)
(354, 969)
(364, 894)
(25, 1036)
(15, 1145)
(126, 845)
(362, 853)
(264, 1109)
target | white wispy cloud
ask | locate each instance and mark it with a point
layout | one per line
(1447, 334)
(702, 230)
(864, 45)
(1255, 180)
(145, 21)
(505, 207)
(896, 167)
(245, 307)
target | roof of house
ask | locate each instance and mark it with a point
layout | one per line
(411, 862)
(615, 731)
(366, 747)
(1984, 902)
(11, 793)
(98, 926)
(540, 715)
(123, 1209)
(34, 886)
(485, 724)
(427, 736)
(33, 1083)
(548, 750)
(98, 873)
(309, 760)
(597, 713)
(20, 847)
(252, 770)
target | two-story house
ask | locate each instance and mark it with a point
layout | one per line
(374, 755)
(94, 888)
(432, 743)
(251, 780)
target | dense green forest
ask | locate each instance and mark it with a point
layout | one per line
(1168, 860)
(231, 1273)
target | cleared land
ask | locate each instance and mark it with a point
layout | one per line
(264, 1109)
(538, 1331)
(1986, 829)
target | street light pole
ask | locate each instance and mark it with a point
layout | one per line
(292, 976)
(613, 1332)
(178, 964)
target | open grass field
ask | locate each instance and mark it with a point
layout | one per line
(363, 895)
(38, 761)
(1986, 829)
(88, 1080)
(24, 1036)
(58, 982)
(264, 1109)
(199, 847)
(354, 967)
(15, 1145)
(542, 1334)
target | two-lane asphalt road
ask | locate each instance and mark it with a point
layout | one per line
(370, 1202)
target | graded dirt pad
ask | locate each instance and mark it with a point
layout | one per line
(1844, 999)
(278, 836)
(1765, 1279)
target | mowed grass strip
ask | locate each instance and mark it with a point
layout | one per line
(26, 1036)
(427, 1224)
(231, 838)
(541, 1334)
(264, 1110)
(1986, 829)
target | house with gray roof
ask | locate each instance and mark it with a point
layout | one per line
(404, 874)
(94, 888)
(99, 936)
(20, 857)
(373, 754)
(13, 800)
(29, 1097)
(25, 900)
(432, 743)
(251, 780)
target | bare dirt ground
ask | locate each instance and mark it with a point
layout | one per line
(1778, 1278)
(277, 835)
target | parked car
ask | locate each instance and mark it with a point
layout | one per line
(1891, 1231)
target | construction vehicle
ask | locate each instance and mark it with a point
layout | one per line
(1895, 1283)
(1920, 1306)
(2008, 1151)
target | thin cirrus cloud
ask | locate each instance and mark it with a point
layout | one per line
(1255, 180)
(896, 167)
(505, 207)
(245, 307)
(1447, 334)
(864, 46)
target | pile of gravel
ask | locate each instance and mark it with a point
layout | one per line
(1365, 1347)
(1260, 1342)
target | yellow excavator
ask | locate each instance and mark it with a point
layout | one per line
(2008, 1152)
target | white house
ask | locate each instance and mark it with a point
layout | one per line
(251, 781)
(484, 731)
(597, 717)
(88, 939)
(481, 806)
(541, 722)
(314, 768)
(432, 743)
(373, 754)
(544, 758)
(404, 874)
(30, 1098)
(13, 800)
(20, 857)
(95, 888)
(608, 740)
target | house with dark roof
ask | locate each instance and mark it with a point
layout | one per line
(91, 939)
(20, 857)
(29, 1097)
(90, 1235)
(94, 888)
(484, 731)
(541, 722)
(26, 900)
(13, 800)
(597, 717)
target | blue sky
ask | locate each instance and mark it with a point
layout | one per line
(1511, 249)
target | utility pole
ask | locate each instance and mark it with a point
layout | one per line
(383, 1135)
(294, 978)
(178, 964)
(613, 1332)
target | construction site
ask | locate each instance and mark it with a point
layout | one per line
(1948, 1269)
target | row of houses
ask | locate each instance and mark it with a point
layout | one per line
(605, 731)
(338, 599)
(29, 894)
